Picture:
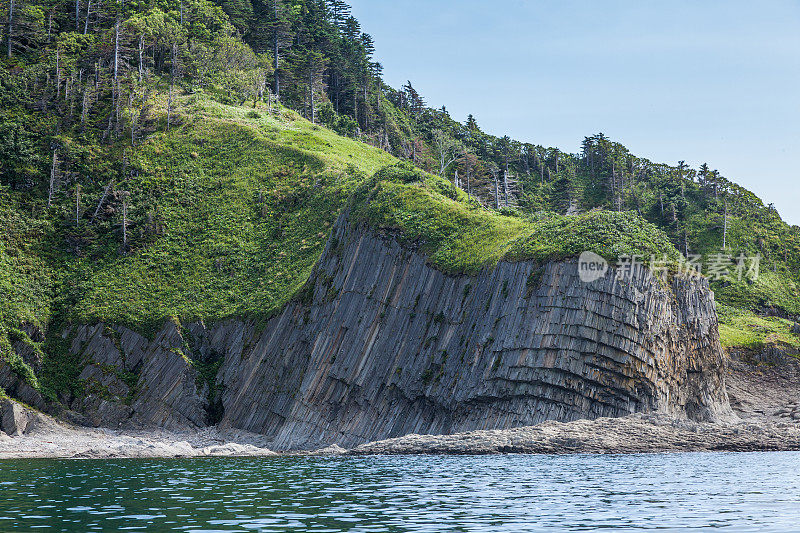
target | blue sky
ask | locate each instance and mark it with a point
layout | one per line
(702, 80)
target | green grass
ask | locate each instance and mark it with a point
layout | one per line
(26, 281)
(744, 329)
(461, 237)
(232, 213)
(770, 291)
(228, 212)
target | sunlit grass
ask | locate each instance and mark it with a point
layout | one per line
(744, 329)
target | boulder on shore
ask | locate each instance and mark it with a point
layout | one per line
(13, 417)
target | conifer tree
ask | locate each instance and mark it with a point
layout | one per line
(272, 31)
(340, 11)
(240, 13)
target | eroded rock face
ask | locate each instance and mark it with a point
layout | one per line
(764, 383)
(390, 346)
(136, 381)
(16, 386)
(17, 419)
(13, 418)
(385, 345)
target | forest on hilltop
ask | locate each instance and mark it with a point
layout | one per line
(132, 130)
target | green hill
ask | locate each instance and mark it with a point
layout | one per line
(226, 215)
(148, 171)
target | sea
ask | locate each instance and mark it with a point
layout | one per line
(418, 493)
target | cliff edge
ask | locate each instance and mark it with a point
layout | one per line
(381, 344)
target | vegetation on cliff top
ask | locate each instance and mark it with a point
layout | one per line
(147, 170)
(224, 216)
(460, 236)
(744, 329)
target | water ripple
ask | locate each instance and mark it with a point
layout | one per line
(705, 491)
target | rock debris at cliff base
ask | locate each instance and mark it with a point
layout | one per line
(761, 394)
(631, 434)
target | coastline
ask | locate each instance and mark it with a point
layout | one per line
(763, 396)
(639, 433)
(57, 440)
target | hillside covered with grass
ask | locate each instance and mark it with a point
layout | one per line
(460, 236)
(159, 161)
(226, 214)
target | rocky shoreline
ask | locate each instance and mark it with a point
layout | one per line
(638, 433)
(38, 436)
(630, 434)
(764, 395)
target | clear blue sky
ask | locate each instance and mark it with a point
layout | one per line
(701, 80)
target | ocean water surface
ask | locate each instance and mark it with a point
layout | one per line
(702, 491)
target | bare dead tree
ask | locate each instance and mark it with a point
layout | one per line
(86, 21)
(315, 68)
(171, 83)
(124, 220)
(447, 150)
(510, 190)
(53, 178)
(77, 204)
(58, 73)
(115, 89)
(85, 104)
(141, 57)
(102, 199)
(281, 38)
(10, 26)
(468, 163)
(725, 227)
(495, 170)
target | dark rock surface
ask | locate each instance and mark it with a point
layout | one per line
(14, 385)
(13, 419)
(136, 381)
(17, 419)
(388, 346)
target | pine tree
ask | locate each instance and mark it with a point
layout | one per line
(240, 13)
(340, 11)
(311, 69)
(24, 27)
(272, 31)
(412, 99)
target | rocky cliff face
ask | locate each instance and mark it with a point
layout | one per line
(380, 344)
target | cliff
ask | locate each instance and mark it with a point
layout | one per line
(381, 344)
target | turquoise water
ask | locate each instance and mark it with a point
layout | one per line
(726, 491)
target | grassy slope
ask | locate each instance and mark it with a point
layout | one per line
(744, 329)
(243, 203)
(461, 237)
(26, 280)
(228, 213)
(233, 207)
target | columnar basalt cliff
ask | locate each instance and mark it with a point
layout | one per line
(380, 344)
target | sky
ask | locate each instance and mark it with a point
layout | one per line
(714, 81)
